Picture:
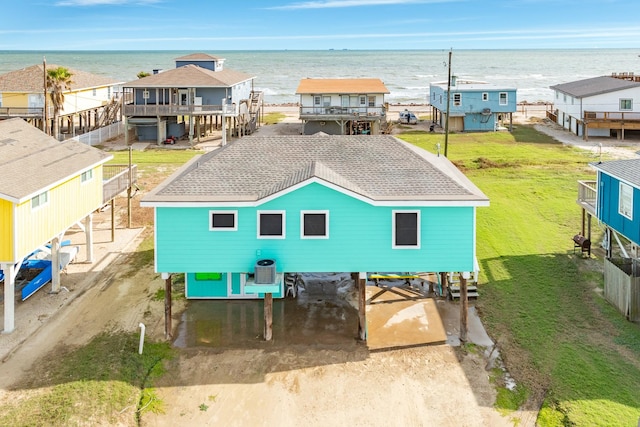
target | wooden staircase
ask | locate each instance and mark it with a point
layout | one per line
(453, 291)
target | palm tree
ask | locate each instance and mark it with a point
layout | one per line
(58, 80)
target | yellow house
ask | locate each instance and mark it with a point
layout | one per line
(46, 187)
(91, 99)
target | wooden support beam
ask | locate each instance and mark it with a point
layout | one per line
(55, 265)
(464, 308)
(113, 220)
(88, 232)
(167, 307)
(10, 272)
(268, 316)
(362, 306)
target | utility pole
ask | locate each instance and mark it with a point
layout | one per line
(44, 87)
(446, 122)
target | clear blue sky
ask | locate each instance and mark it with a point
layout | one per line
(320, 24)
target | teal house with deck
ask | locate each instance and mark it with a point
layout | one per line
(237, 219)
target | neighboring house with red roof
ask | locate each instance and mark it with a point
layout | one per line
(599, 106)
(342, 106)
(91, 102)
(200, 94)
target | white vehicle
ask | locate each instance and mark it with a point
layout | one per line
(407, 117)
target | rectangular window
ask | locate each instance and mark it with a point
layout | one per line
(86, 176)
(485, 96)
(625, 202)
(95, 92)
(271, 224)
(363, 101)
(317, 100)
(326, 101)
(372, 101)
(457, 99)
(504, 98)
(626, 104)
(223, 220)
(406, 230)
(40, 200)
(314, 224)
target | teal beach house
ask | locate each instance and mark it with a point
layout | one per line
(236, 219)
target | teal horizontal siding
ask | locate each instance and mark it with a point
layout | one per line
(609, 199)
(360, 238)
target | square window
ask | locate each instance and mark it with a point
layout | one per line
(314, 224)
(271, 225)
(625, 201)
(223, 220)
(406, 230)
(626, 104)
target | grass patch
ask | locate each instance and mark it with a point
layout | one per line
(105, 381)
(273, 118)
(560, 340)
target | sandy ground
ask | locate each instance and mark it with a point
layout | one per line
(340, 382)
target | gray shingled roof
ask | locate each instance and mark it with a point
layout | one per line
(594, 86)
(191, 76)
(627, 170)
(32, 161)
(378, 167)
(198, 57)
(31, 79)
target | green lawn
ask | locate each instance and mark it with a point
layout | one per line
(541, 303)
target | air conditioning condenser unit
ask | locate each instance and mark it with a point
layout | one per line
(265, 272)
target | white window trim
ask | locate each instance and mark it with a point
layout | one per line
(235, 221)
(86, 176)
(506, 98)
(393, 229)
(40, 204)
(485, 96)
(326, 222)
(625, 109)
(628, 195)
(459, 101)
(284, 223)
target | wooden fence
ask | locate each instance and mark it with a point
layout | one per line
(622, 286)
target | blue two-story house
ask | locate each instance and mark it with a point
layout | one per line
(614, 199)
(473, 105)
(198, 96)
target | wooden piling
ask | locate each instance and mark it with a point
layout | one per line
(362, 303)
(464, 309)
(268, 316)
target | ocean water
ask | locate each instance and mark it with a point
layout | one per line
(406, 73)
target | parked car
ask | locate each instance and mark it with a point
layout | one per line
(407, 117)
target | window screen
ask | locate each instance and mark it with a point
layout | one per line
(315, 224)
(406, 229)
(271, 224)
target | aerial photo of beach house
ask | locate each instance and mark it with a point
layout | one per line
(599, 106)
(91, 101)
(239, 219)
(193, 99)
(473, 105)
(342, 106)
(47, 187)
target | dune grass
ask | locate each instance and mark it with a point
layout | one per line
(539, 301)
